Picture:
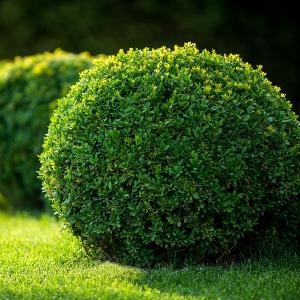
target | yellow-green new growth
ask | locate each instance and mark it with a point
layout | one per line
(161, 156)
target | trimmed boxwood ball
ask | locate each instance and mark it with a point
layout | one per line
(160, 156)
(29, 87)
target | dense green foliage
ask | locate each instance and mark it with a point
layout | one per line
(39, 261)
(160, 155)
(29, 88)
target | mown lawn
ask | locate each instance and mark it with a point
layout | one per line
(39, 261)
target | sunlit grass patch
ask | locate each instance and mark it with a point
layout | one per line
(39, 261)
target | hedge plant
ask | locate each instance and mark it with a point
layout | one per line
(29, 87)
(163, 155)
(3, 62)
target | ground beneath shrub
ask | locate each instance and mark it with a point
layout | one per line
(39, 261)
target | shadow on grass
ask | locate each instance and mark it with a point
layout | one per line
(253, 280)
(263, 279)
(71, 275)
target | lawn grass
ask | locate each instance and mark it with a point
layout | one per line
(39, 261)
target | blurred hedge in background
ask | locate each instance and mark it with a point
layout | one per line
(263, 34)
(3, 62)
(29, 88)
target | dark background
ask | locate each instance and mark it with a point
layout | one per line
(266, 33)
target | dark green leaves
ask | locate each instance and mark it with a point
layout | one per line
(173, 155)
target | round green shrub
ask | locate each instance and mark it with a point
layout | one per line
(29, 87)
(165, 156)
